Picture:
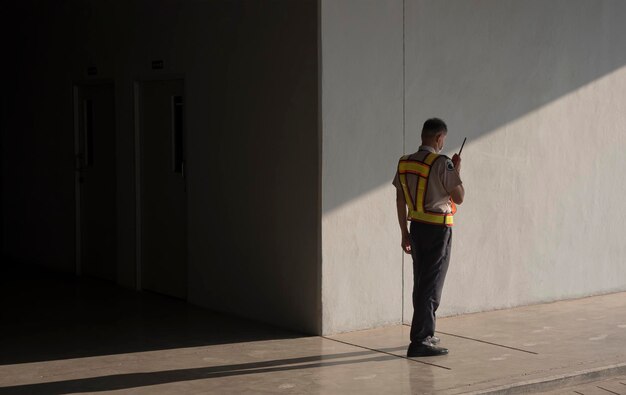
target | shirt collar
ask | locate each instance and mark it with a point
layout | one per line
(427, 148)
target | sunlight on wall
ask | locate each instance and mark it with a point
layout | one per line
(542, 218)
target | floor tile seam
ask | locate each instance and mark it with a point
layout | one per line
(485, 342)
(608, 391)
(387, 353)
(490, 343)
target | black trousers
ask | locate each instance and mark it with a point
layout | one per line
(430, 249)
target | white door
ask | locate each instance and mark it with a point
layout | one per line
(163, 194)
(96, 180)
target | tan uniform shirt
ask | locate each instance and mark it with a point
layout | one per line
(443, 178)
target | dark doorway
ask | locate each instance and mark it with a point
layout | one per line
(163, 197)
(94, 115)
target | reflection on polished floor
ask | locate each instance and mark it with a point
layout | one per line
(62, 335)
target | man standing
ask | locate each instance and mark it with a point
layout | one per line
(428, 184)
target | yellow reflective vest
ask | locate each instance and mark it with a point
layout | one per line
(415, 199)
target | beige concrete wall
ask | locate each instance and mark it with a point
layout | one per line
(537, 87)
(362, 135)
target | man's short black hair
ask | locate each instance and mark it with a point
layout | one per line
(433, 126)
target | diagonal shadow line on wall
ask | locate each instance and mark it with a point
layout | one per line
(492, 64)
(134, 380)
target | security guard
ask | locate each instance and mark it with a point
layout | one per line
(429, 185)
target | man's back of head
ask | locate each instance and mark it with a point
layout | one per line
(432, 127)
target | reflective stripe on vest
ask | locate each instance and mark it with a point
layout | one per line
(416, 206)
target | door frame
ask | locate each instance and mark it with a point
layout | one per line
(76, 86)
(138, 115)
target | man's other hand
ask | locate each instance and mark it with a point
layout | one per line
(456, 161)
(406, 244)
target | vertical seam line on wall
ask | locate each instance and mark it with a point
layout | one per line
(403, 81)
(403, 134)
(320, 182)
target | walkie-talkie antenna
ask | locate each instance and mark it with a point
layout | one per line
(461, 150)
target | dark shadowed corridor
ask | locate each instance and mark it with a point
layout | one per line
(50, 316)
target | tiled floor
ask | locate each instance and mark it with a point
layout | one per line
(87, 337)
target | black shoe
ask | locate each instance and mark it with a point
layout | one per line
(425, 350)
